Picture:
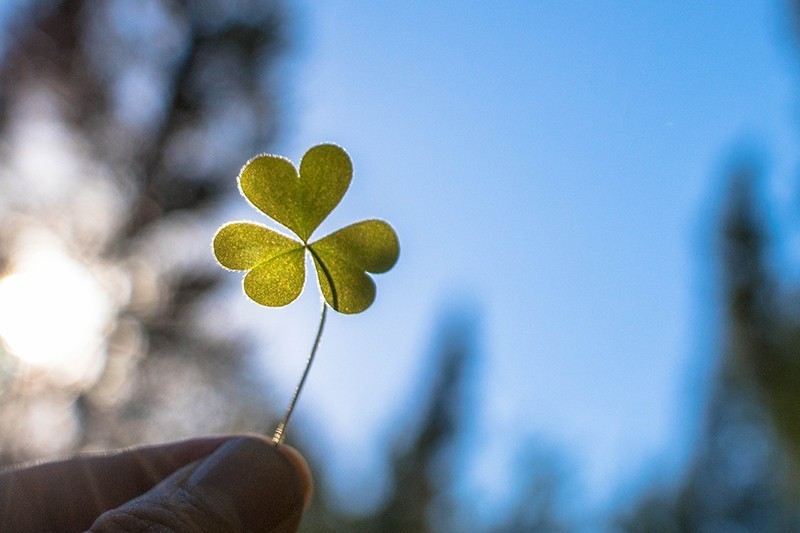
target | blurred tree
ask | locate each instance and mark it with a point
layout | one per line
(122, 126)
(741, 475)
(745, 475)
(422, 465)
(542, 504)
(429, 460)
(424, 469)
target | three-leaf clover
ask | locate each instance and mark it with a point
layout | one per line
(300, 201)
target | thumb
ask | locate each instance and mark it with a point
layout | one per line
(247, 484)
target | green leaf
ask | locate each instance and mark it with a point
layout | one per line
(243, 245)
(342, 260)
(298, 201)
(278, 281)
(277, 262)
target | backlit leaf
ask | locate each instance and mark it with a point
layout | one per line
(298, 201)
(243, 245)
(343, 258)
(277, 262)
(279, 280)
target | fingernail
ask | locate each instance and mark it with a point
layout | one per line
(261, 483)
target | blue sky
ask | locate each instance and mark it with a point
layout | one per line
(557, 165)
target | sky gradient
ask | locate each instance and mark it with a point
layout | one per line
(555, 167)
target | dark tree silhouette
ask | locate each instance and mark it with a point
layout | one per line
(741, 475)
(745, 474)
(420, 498)
(424, 472)
(122, 126)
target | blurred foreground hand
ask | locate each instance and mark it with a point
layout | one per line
(223, 484)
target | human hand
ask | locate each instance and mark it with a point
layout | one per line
(222, 484)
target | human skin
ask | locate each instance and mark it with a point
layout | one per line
(224, 484)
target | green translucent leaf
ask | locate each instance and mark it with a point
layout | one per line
(243, 245)
(298, 201)
(347, 289)
(279, 280)
(270, 182)
(342, 260)
(277, 262)
(370, 245)
(325, 171)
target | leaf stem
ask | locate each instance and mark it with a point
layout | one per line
(280, 432)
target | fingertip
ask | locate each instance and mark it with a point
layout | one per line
(299, 462)
(267, 485)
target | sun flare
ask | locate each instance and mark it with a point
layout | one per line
(53, 314)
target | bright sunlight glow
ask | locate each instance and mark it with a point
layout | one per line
(53, 314)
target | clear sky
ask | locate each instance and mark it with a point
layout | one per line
(557, 165)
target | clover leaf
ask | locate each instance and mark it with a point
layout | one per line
(300, 201)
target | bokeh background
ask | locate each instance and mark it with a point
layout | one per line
(595, 320)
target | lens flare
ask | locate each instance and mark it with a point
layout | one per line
(53, 314)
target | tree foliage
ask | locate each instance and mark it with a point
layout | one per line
(121, 124)
(743, 474)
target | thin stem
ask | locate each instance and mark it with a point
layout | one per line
(279, 435)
